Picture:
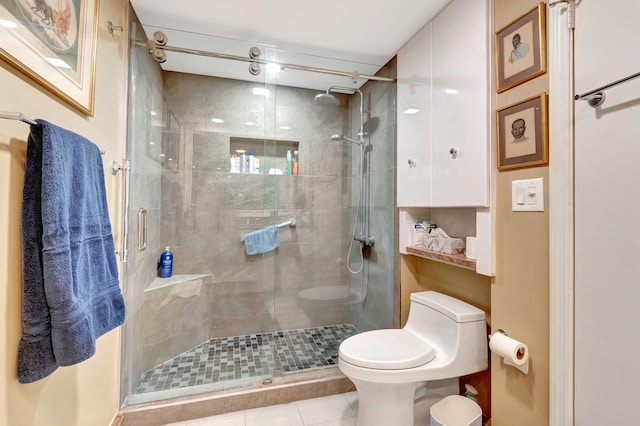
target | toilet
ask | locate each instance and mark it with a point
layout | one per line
(444, 338)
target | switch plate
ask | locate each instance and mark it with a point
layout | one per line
(527, 195)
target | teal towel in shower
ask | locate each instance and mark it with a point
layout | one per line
(262, 240)
(70, 295)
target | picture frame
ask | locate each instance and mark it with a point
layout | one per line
(523, 137)
(53, 43)
(521, 49)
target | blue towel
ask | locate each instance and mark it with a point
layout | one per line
(262, 240)
(71, 295)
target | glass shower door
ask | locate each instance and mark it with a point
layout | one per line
(200, 330)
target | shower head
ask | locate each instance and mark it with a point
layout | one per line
(338, 137)
(326, 99)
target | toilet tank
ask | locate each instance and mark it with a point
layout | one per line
(445, 321)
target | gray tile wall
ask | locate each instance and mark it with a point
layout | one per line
(206, 209)
(379, 281)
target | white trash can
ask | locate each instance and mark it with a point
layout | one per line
(456, 410)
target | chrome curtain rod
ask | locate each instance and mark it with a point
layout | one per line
(17, 116)
(283, 65)
(596, 96)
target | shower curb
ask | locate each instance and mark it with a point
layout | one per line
(184, 409)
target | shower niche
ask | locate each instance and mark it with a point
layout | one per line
(270, 156)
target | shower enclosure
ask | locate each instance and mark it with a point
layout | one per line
(227, 320)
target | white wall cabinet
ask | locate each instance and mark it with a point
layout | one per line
(443, 149)
(414, 121)
(460, 105)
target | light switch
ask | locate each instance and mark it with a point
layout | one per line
(531, 195)
(527, 195)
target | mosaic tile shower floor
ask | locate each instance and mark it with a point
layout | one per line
(254, 355)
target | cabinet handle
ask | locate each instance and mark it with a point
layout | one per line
(454, 153)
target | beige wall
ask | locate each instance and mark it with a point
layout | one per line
(423, 274)
(85, 394)
(519, 293)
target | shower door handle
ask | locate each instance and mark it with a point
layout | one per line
(142, 229)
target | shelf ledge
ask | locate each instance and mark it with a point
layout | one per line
(459, 260)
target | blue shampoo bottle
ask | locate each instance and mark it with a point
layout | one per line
(166, 263)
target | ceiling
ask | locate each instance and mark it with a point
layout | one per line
(341, 35)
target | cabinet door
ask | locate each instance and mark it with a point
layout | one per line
(460, 105)
(414, 127)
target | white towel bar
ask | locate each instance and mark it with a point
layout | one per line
(20, 116)
(16, 116)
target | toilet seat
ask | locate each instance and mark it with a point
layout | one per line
(392, 349)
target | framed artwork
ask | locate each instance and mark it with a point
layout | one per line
(523, 134)
(521, 49)
(53, 42)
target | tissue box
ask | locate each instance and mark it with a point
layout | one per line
(443, 244)
(417, 239)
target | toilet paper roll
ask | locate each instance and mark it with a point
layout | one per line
(515, 353)
(471, 247)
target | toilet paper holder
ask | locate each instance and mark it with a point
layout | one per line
(520, 352)
(518, 358)
(498, 331)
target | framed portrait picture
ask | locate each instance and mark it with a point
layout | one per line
(53, 42)
(523, 134)
(521, 49)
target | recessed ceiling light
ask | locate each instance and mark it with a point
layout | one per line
(154, 113)
(411, 111)
(217, 120)
(285, 127)
(249, 123)
(261, 91)
(451, 91)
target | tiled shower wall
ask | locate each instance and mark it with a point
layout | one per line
(205, 209)
(380, 280)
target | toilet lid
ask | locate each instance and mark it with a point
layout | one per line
(386, 350)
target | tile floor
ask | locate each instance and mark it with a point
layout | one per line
(334, 410)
